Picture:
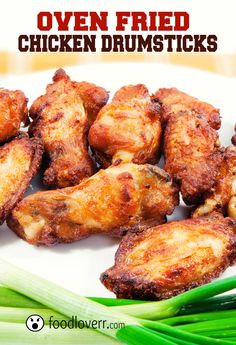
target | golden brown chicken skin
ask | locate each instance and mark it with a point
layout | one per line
(225, 187)
(192, 155)
(175, 101)
(128, 129)
(111, 202)
(168, 259)
(191, 146)
(13, 111)
(61, 118)
(19, 162)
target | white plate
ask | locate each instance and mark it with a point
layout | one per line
(77, 266)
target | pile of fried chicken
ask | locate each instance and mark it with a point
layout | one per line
(100, 165)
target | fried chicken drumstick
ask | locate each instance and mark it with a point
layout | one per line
(61, 118)
(111, 202)
(218, 199)
(169, 259)
(191, 145)
(175, 101)
(19, 162)
(13, 111)
(128, 129)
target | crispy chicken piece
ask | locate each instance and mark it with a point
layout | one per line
(218, 198)
(128, 129)
(168, 259)
(175, 101)
(191, 146)
(111, 202)
(19, 162)
(192, 155)
(61, 118)
(13, 111)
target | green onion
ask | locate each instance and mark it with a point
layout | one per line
(111, 302)
(177, 341)
(170, 307)
(225, 302)
(142, 335)
(183, 319)
(10, 298)
(18, 334)
(64, 304)
(20, 315)
(197, 327)
(69, 304)
(57, 298)
(220, 334)
(183, 334)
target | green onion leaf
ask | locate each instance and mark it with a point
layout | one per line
(183, 334)
(170, 307)
(10, 298)
(213, 325)
(224, 302)
(60, 299)
(19, 315)
(183, 319)
(111, 302)
(220, 334)
(141, 335)
(177, 341)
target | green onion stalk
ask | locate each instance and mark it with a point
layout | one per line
(24, 294)
(69, 304)
(168, 308)
(177, 341)
(185, 319)
(206, 326)
(111, 302)
(17, 334)
(217, 303)
(19, 315)
(220, 334)
(10, 298)
(184, 335)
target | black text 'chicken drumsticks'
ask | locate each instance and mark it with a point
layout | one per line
(191, 145)
(61, 118)
(112, 202)
(169, 259)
